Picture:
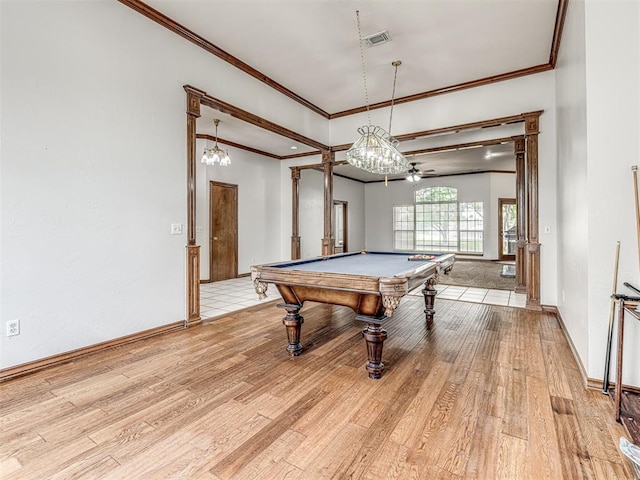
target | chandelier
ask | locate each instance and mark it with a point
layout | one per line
(414, 173)
(215, 155)
(376, 150)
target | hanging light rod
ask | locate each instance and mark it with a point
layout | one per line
(376, 150)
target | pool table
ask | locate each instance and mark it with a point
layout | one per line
(370, 283)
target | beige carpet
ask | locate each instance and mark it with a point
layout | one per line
(481, 274)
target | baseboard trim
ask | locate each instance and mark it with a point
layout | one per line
(596, 384)
(583, 372)
(31, 367)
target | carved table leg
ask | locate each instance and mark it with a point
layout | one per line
(293, 322)
(375, 336)
(429, 293)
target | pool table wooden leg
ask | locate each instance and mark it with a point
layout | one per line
(293, 322)
(429, 293)
(375, 336)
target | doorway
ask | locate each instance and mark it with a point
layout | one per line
(340, 226)
(223, 231)
(507, 224)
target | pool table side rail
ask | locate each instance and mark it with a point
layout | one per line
(331, 281)
(397, 285)
(442, 264)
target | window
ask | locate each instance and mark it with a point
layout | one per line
(437, 222)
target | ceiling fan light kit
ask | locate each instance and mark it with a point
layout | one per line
(414, 173)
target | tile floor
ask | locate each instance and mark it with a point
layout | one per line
(226, 296)
(480, 295)
(219, 298)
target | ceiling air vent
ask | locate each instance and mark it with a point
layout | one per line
(377, 39)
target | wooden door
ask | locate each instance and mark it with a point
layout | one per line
(223, 231)
(507, 224)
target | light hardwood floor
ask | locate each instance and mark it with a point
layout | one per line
(490, 392)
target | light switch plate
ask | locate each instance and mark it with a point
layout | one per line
(176, 229)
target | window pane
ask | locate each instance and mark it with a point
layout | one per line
(403, 227)
(436, 226)
(471, 227)
(436, 194)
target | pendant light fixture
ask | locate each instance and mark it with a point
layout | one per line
(215, 155)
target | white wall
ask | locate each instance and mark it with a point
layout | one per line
(598, 122)
(523, 94)
(483, 187)
(612, 67)
(93, 171)
(573, 195)
(311, 216)
(352, 192)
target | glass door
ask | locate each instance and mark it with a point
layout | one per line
(508, 235)
(340, 226)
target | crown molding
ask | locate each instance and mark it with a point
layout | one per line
(203, 43)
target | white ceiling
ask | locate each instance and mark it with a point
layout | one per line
(311, 48)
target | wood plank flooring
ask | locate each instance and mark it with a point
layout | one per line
(489, 393)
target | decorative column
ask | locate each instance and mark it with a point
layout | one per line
(193, 250)
(295, 213)
(521, 209)
(327, 164)
(532, 263)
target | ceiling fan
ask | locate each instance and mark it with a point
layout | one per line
(415, 174)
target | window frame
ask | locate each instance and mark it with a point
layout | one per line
(476, 234)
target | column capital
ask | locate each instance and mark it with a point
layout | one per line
(532, 123)
(518, 144)
(193, 100)
(328, 156)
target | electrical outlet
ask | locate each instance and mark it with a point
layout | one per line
(13, 328)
